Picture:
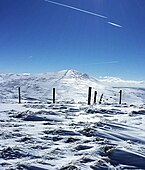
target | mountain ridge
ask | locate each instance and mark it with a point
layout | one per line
(70, 85)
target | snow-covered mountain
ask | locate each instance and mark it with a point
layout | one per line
(40, 135)
(70, 85)
(115, 81)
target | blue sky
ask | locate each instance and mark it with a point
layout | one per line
(38, 36)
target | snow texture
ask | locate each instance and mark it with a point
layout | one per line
(70, 135)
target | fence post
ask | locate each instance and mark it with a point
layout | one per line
(101, 99)
(95, 96)
(120, 99)
(89, 95)
(19, 91)
(53, 95)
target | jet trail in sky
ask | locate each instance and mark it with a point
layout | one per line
(114, 24)
(84, 11)
(77, 9)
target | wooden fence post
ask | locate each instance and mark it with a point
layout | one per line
(19, 91)
(53, 95)
(101, 99)
(89, 95)
(95, 96)
(120, 98)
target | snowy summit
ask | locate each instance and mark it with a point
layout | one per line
(71, 85)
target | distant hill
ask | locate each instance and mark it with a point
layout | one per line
(71, 85)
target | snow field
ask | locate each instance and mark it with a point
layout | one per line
(71, 136)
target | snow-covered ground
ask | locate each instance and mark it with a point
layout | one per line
(71, 136)
(70, 85)
(68, 135)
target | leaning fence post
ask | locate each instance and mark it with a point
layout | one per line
(53, 95)
(19, 91)
(101, 99)
(89, 95)
(120, 99)
(95, 96)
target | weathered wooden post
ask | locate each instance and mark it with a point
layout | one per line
(53, 95)
(19, 91)
(89, 95)
(120, 98)
(101, 99)
(95, 96)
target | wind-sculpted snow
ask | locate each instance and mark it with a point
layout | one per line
(39, 135)
(66, 136)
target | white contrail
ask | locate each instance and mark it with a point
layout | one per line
(84, 11)
(77, 9)
(114, 24)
